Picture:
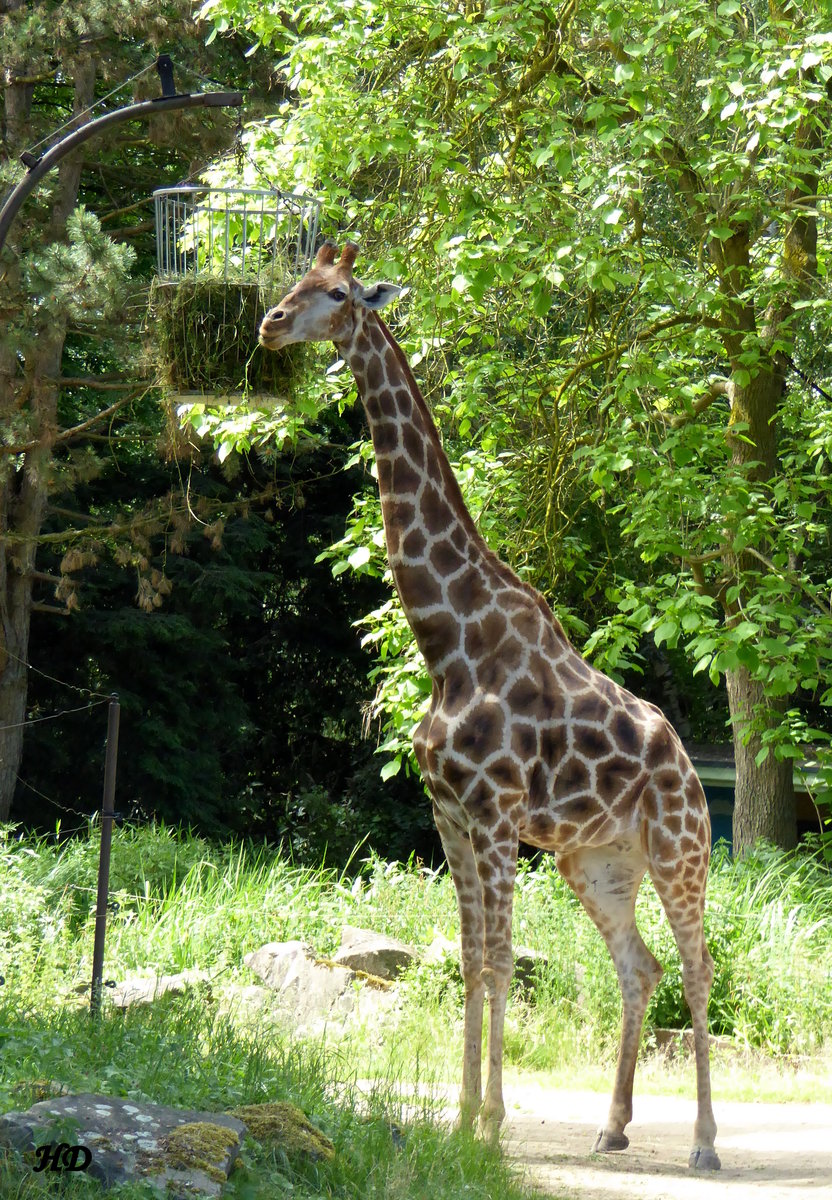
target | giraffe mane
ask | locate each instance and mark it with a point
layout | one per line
(454, 492)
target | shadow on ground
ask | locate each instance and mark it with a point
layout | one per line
(768, 1151)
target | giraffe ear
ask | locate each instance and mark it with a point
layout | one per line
(377, 295)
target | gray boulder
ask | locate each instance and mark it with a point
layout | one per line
(189, 1153)
(374, 953)
(142, 989)
(272, 962)
(313, 993)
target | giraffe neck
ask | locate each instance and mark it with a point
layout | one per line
(442, 567)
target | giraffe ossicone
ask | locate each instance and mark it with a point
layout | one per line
(523, 740)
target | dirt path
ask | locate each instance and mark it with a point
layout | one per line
(768, 1151)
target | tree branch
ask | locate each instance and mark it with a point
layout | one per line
(620, 347)
(100, 383)
(696, 560)
(792, 577)
(69, 513)
(130, 231)
(717, 386)
(700, 582)
(67, 434)
(119, 212)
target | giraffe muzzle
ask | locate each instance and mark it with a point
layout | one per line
(273, 330)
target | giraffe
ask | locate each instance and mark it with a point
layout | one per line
(523, 739)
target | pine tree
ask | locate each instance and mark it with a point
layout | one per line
(62, 277)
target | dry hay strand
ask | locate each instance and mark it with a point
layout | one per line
(205, 334)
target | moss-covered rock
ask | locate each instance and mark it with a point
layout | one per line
(376, 981)
(284, 1126)
(38, 1089)
(184, 1152)
(200, 1146)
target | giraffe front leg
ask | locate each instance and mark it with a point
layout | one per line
(457, 847)
(494, 1110)
(497, 869)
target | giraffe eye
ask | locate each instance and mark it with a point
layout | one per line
(338, 294)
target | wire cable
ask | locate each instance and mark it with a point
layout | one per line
(76, 116)
(65, 712)
(82, 691)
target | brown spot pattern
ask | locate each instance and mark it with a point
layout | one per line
(414, 445)
(572, 777)
(469, 593)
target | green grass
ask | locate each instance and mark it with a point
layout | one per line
(184, 903)
(181, 1053)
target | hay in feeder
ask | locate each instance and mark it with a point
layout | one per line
(205, 333)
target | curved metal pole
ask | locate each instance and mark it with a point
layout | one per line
(145, 108)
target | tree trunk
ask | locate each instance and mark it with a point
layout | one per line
(13, 687)
(23, 497)
(764, 803)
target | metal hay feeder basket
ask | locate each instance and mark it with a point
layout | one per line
(224, 256)
(251, 235)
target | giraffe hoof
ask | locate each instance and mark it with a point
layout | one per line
(489, 1131)
(704, 1158)
(607, 1143)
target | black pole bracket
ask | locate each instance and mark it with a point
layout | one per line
(164, 65)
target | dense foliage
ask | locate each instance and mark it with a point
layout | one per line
(609, 222)
(618, 305)
(242, 687)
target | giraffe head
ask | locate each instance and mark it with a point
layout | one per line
(323, 306)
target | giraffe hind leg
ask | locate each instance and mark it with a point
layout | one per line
(681, 889)
(606, 880)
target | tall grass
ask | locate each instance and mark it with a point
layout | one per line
(180, 902)
(183, 903)
(182, 1053)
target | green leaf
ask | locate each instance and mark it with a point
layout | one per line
(391, 768)
(542, 155)
(541, 302)
(682, 455)
(668, 632)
